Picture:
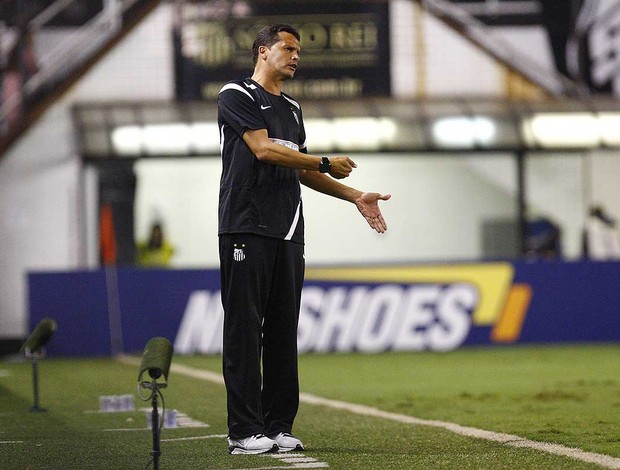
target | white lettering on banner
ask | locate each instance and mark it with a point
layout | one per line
(359, 318)
(379, 318)
(454, 309)
(418, 305)
(202, 324)
(334, 328)
(310, 311)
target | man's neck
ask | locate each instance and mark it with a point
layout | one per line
(271, 85)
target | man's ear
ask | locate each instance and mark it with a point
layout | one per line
(262, 51)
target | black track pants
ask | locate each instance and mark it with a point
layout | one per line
(261, 292)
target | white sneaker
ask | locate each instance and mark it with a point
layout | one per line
(257, 444)
(287, 442)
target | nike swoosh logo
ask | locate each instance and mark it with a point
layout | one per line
(264, 107)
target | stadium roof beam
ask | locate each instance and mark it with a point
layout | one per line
(164, 129)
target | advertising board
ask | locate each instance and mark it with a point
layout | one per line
(364, 309)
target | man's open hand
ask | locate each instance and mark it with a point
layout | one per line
(368, 205)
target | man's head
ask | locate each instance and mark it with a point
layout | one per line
(270, 35)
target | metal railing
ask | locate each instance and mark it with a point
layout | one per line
(74, 50)
(549, 80)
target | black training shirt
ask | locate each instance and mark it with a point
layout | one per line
(257, 197)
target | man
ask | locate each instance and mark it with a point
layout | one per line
(261, 241)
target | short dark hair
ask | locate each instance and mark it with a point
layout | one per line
(269, 35)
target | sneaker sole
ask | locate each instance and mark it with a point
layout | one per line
(288, 449)
(242, 451)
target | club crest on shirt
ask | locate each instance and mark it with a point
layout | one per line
(294, 111)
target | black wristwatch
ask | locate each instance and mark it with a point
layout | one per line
(325, 165)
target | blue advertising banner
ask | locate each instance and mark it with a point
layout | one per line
(367, 309)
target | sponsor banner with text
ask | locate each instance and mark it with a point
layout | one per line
(345, 47)
(365, 309)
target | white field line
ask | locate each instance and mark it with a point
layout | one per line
(289, 467)
(295, 460)
(508, 439)
(602, 460)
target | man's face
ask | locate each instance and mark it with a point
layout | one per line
(283, 56)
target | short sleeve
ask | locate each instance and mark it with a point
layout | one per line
(239, 109)
(303, 147)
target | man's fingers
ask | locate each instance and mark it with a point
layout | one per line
(377, 223)
(341, 167)
(340, 174)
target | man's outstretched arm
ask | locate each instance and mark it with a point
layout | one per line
(366, 203)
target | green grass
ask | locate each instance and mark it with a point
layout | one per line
(568, 395)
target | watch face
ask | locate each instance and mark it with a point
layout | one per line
(325, 165)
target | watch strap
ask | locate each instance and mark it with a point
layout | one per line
(325, 166)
